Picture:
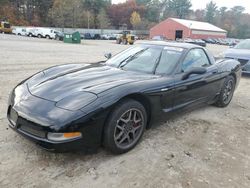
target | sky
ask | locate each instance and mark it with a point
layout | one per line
(201, 4)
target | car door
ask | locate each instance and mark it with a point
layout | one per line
(197, 88)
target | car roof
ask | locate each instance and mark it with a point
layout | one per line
(173, 44)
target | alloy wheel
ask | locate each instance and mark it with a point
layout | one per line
(228, 92)
(129, 128)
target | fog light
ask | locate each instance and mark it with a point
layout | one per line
(63, 136)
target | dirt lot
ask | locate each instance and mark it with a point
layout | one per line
(206, 147)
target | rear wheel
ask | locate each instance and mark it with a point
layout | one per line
(39, 36)
(125, 126)
(226, 93)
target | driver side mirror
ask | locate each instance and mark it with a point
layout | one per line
(108, 55)
(195, 70)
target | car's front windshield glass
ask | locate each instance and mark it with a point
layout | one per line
(147, 59)
(243, 45)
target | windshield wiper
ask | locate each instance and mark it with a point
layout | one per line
(130, 58)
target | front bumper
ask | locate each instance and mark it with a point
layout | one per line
(50, 145)
(89, 141)
(34, 118)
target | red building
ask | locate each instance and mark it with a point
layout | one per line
(173, 28)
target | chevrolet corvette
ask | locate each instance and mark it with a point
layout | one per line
(112, 103)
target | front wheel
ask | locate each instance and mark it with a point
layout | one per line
(125, 126)
(118, 41)
(226, 93)
(124, 41)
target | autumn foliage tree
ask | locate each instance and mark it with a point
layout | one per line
(120, 13)
(135, 19)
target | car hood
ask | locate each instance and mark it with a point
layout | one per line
(57, 83)
(238, 53)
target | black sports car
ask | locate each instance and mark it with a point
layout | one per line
(111, 103)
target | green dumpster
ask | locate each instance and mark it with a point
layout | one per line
(74, 38)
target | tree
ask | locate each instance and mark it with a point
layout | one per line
(199, 15)
(222, 11)
(153, 10)
(238, 10)
(64, 13)
(178, 8)
(211, 9)
(95, 6)
(103, 19)
(143, 2)
(120, 14)
(135, 19)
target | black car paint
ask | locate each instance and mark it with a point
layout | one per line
(35, 98)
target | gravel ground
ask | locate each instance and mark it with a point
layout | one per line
(206, 147)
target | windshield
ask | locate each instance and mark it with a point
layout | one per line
(6, 25)
(243, 45)
(147, 59)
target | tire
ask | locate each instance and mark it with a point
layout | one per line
(39, 36)
(118, 41)
(47, 37)
(124, 41)
(226, 93)
(122, 131)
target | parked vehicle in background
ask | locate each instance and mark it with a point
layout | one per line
(92, 36)
(97, 37)
(5, 27)
(46, 33)
(200, 42)
(112, 37)
(159, 37)
(108, 37)
(19, 31)
(211, 41)
(223, 42)
(105, 37)
(31, 31)
(59, 35)
(194, 41)
(88, 36)
(241, 52)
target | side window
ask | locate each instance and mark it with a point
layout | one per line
(167, 62)
(195, 58)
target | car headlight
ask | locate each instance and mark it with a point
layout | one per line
(63, 136)
(76, 101)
